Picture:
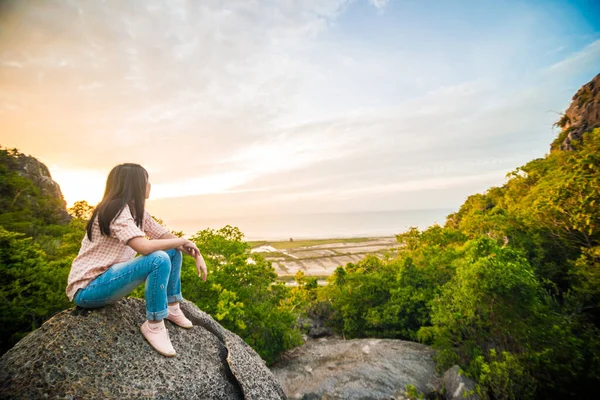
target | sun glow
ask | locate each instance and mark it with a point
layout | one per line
(80, 184)
(89, 185)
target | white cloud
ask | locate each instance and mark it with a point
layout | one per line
(188, 83)
(379, 3)
(13, 64)
(257, 100)
(407, 186)
(587, 58)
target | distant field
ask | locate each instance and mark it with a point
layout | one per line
(320, 257)
(286, 244)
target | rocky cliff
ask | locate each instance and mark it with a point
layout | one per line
(582, 115)
(36, 190)
(39, 174)
(101, 353)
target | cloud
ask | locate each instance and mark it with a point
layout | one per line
(237, 105)
(379, 3)
(174, 78)
(12, 64)
(405, 186)
(587, 59)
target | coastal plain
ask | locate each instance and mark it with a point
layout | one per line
(319, 258)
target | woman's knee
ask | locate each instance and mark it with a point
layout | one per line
(160, 259)
(90, 302)
(176, 256)
(173, 253)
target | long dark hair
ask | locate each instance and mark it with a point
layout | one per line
(126, 185)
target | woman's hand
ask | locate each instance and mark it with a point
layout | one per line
(201, 267)
(190, 249)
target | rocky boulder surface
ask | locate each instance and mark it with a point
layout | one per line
(101, 353)
(457, 386)
(333, 368)
(583, 114)
(314, 327)
(39, 174)
(48, 197)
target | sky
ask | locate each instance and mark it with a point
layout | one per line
(260, 107)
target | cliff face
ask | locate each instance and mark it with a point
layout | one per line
(582, 115)
(42, 193)
(32, 169)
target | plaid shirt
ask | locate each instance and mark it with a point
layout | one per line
(97, 256)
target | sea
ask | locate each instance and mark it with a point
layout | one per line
(276, 227)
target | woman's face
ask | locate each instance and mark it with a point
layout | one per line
(148, 187)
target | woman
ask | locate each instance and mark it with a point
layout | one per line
(106, 268)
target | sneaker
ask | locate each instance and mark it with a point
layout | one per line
(178, 318)
(159, 339)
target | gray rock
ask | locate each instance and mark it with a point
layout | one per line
(583, 114)
(318, 331)
(101, 353)
(457, 385)
(31, 168)
(315, 328)
(333, 368)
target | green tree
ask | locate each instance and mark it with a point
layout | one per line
(241, 292)
(31, 288)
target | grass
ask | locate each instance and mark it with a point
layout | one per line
(285, 245)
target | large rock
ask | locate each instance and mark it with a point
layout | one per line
(101, 353)
(314, 327)
(39, 174)
(457, 386)
(334, 368)
(583, 114)
(35, 171)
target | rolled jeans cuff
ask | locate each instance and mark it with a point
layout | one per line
(158, 315)
(174, 298)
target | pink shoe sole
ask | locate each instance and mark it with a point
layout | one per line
(180, 320)
(160, 340)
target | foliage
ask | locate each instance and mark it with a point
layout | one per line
(31, 287)
(302, 295)
(391, 298)
(241, 292)
(509, 288)
(81, 210)
(503, 377)
(23, 206)
(413, 393)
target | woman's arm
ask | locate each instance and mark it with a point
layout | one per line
(193, 251)
(145, 246)
(168, 235)
(189, 248)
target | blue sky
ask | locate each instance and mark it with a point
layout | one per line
(239, 107)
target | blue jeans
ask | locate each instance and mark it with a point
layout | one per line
(162, 272)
